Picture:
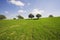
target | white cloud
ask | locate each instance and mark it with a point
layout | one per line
(6, 12)
(17, 3)
(37, 11)
(21, 11)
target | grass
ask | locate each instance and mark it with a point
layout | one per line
(42, 29)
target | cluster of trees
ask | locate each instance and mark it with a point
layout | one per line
(21, 17)
(32, 16)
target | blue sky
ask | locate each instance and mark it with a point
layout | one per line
(12, 8)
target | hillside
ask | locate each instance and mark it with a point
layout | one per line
(42, 29)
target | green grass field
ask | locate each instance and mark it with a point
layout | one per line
(42, 29)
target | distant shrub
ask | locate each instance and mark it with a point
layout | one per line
(50, 15)
(20, 17)
(14, 18)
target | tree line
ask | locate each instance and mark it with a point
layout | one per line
(31, 16)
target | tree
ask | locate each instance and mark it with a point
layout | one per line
(2, 17)
(14, 18)
(38, 15)
(31, 16)
(20, 17)
(50, 15)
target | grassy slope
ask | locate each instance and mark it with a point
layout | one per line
(42, 29)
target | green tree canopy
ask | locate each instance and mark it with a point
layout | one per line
(31, 16)
(2, 17)
(38, 16)
(14, 18)
(50, 15)
(20, 17)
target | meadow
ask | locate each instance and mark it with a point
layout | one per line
(42, 29)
